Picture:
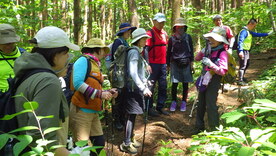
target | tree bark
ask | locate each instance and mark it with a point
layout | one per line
(77, 21)
(134, 15)
(233, 4)
(89, 20)
(219, 6)
(44, 13)
(175, 11)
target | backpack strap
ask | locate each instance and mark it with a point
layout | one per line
(89, 68)
(153, 41)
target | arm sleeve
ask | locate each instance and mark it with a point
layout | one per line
(191, 46)
(79, 74)
(199, 55)
(133, 56)
(242, 36)
(222, 66)
(169, 51)
(254, 34)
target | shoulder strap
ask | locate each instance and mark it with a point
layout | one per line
(152, 36)
(186, 37)
(89, 68)
(219, 52)
(6, 59)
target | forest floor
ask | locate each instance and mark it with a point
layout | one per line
(177, 127)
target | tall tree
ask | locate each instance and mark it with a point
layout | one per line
(233, 4)
(89, 19)
(44, 13)
(134, 15)
(77, 21)
(176, 11)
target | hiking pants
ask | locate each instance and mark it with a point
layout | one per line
(184, 91)
(207, 101)
(118, 107)
(159, 74)
(244, 64)
(130, 123)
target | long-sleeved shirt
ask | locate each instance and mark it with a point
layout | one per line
(244, 34)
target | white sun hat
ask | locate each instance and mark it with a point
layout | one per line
(217, 34)
(159, 17)
(138, 34)
(54, 37)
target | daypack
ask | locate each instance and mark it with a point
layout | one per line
(69, 89)
(7, 102)
(230, 75)
(235, 45)
(108, 58)
(118, 70)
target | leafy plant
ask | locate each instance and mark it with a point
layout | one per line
(165, 150)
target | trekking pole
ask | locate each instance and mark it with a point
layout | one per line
(106, 124)
(112, 124)
(194, 105)
(145, 122)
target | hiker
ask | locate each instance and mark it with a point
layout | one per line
(217, 19)
(50, 52)
(9, 51)
(87, 100)
(136, 89)
(155, 54)
(180, 58)
(123, 34)
(208, 84)
(244, 46)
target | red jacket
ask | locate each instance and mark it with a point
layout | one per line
(157, 53)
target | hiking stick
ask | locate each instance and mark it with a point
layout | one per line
(145, 122)
(112, 124)
(194, 105)
(106, 124)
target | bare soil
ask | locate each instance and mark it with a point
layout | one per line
(177, 127)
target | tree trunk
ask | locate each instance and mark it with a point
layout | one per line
(89, 20)
(56, 10)
(103, 22)
(175, 11)
(233, 4)
(44, 13)
(269, 2)
(196, 4)
(77, 21)
(134, 15)
(219, 6)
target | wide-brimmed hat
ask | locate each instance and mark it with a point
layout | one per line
(180, 22)
(53, 37)
(97, 43)
(138, 34)
(218, 34)
(159, 17)
(8, 34)
(125, 27)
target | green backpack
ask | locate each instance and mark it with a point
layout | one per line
(118, 69)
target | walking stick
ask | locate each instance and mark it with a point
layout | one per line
(145, 122)
(106, 124)
(194, 105)
(112, 124)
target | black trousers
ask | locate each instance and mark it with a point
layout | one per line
(207, 102)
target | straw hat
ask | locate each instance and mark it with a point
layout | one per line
(218, 34)
(97, 43)
(138, 34)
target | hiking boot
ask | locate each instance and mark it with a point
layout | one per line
(162, 111)
(128, 148)
(173, 106)
(118, 125)
(242, 83)
(183, 106)
(135, 143)
(153, 113)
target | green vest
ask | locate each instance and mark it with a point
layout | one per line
(6, 71)
(247, 41)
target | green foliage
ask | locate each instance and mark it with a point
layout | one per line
(165, 150)
(246, 138)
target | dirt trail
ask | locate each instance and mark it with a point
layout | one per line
(177, 127)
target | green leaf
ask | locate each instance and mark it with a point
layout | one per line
(44, 117)
(233, 116)
(246, 151)
(32, 105)
(268, 153)
(178, 151)
(4, 139)
(41, 142)
(271, 119)
(8, 117)
(26, 128)
(57, 146)
(24, 141)
(269, 144)
(92, 148)
(81, 143)
(49, 130)
(38, 149)
(74, 155)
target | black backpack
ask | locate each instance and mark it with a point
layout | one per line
(7, 102)
(235, 45)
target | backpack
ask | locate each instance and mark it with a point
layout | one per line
(109, 55)
(235, 45)
(118, 68)
(230, 75)
(69, 89)
(7, 102)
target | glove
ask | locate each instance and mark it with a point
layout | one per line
(147, 92)
(207, 61)
(230, 51)
(271, 32)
